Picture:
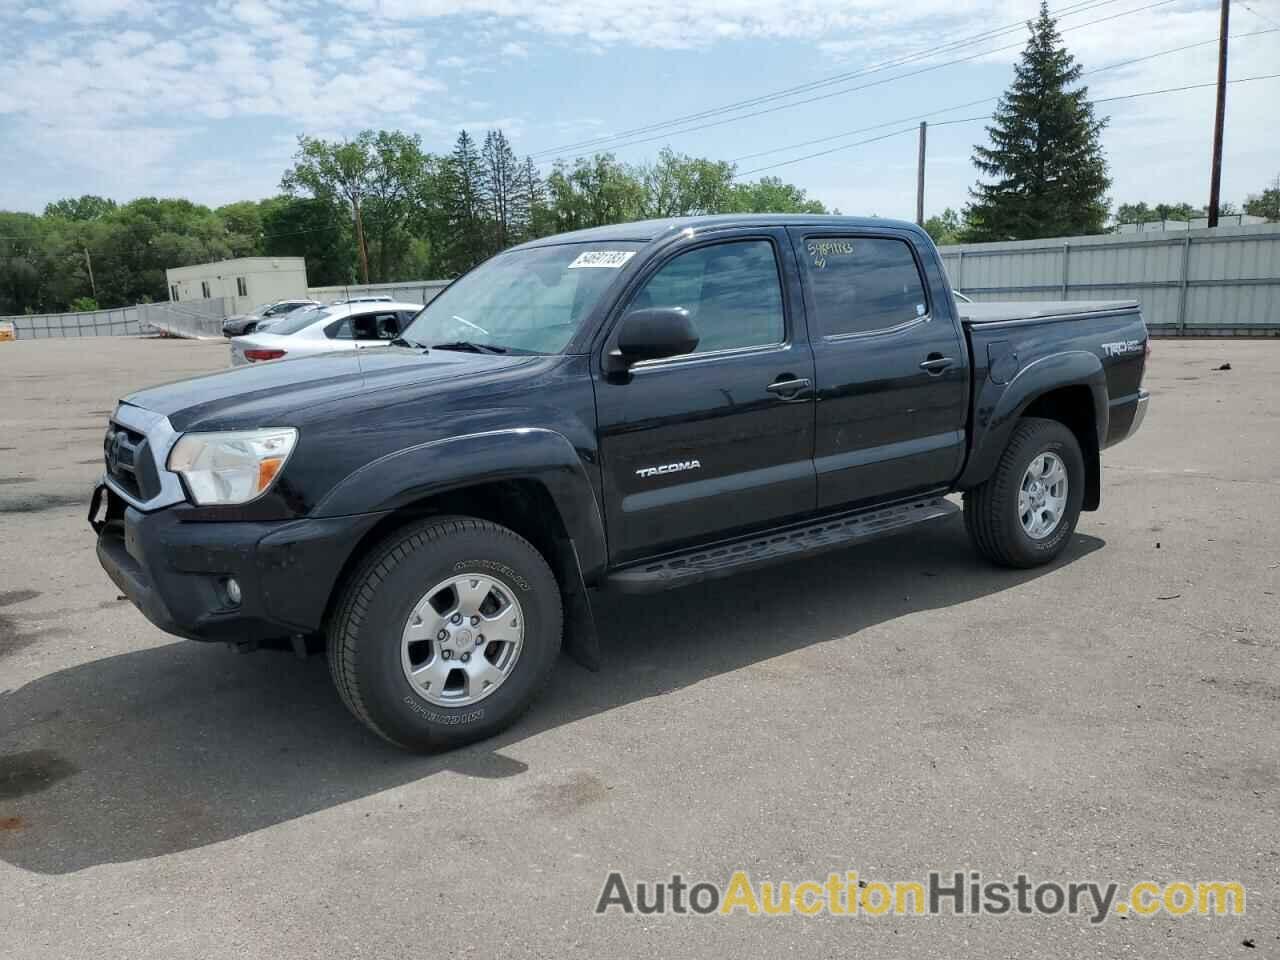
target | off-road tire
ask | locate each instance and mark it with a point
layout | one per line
(991, 509)
(364, 632)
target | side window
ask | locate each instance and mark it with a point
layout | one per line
(862, 284)
(340, 330)
(376, 326)
(730, 290)
(242, 288)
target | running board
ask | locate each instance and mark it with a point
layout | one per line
(729, 558)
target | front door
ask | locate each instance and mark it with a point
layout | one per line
(892, 369)
(720, 440)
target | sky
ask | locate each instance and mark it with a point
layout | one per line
(127, 98)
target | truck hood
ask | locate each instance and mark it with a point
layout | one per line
(263, 394)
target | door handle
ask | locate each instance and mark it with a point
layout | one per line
(789, 387)
(936, 363)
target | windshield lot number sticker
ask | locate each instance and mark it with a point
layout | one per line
(613, 259)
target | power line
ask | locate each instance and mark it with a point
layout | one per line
(987, 116)
(604, 142)
(1132, 96)
(973, 103)
(814, 84)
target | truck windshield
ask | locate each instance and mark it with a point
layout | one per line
(524, 301)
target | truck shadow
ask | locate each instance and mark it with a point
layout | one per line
(181, 745)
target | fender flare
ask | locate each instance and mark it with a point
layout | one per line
(407, 476)
(997, 408)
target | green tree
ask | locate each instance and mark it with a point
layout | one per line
(377, 206)
(539, 220)
(771, 195)
(319, 230)
(1142, 213)
(500, 179)
(340, 168)
(679, 185)
(462, 203)
(23, 265)
(242, 222)
(86, 207)
(1265, 204)
(944, 228)
(1048, 172)
(594, 191)
(399, 166)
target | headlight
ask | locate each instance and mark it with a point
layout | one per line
(233, 467)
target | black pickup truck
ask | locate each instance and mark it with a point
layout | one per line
(632, 407)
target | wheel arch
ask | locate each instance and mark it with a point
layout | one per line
(524, 505)
(1072, 407)
(1070, 388)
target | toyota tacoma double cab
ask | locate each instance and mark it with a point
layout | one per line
(634, 407)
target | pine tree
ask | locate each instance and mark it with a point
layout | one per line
(1046, 160)
(500, 177)
(531, 199)
(463, 207)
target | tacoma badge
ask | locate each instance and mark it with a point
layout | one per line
(669, 468)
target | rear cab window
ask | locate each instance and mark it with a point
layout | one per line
(859, 285)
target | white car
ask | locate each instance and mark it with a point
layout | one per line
(347, 326)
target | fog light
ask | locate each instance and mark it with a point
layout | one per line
(232, 588)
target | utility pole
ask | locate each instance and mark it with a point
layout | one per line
(924, 131)
(88, 262)
(1215, 178)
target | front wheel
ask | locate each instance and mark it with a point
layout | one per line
(445, 633)
(1025, 513)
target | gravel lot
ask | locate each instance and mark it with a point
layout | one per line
(891, 710)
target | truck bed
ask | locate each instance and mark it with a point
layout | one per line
(997, 312)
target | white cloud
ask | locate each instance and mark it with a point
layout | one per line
(132, 81)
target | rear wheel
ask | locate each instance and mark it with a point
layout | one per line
(1025, 513)
(446, 633)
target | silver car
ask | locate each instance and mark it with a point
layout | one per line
(346, 326)
(242, 323)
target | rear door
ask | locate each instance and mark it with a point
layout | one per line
(891, 366)
(720, 440)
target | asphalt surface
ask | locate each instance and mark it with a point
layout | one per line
(893, 709)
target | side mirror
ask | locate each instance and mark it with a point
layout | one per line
(654, 333)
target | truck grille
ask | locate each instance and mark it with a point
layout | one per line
(129, 462)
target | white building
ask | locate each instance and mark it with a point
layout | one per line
(244, 282)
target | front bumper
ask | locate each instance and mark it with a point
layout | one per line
(176, 572)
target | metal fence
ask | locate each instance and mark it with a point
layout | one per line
(193, 319)
(409, 291)
(1219, 282)
(197, 319)
(120, 322)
